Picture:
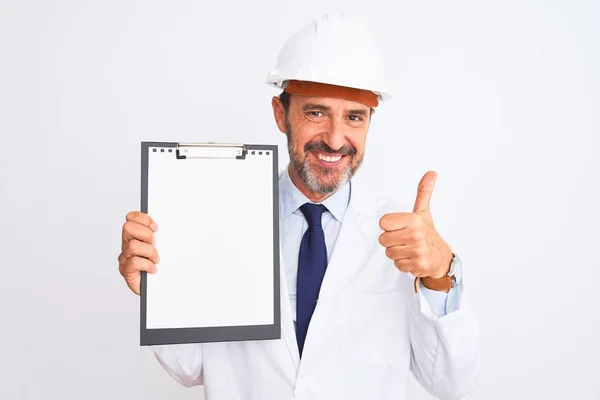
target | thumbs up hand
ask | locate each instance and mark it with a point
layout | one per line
(410, 239)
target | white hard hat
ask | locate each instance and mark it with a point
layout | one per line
(336, 50)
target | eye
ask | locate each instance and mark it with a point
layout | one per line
(316, 116)
(355, 118)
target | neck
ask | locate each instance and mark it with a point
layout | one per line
(315, 197)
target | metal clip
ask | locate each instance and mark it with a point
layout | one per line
(210, 150)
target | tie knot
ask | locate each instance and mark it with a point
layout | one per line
(313, 213)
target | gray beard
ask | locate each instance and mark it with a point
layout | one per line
(310, 176)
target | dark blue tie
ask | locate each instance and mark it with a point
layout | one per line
(312, 262)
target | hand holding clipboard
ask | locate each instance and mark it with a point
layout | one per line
(138, 252)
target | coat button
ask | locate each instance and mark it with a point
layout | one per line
(298, 393)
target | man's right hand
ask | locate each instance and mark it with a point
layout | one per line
(137, 251)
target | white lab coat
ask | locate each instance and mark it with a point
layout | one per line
(368, 331)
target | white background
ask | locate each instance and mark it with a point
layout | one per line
(502, 98)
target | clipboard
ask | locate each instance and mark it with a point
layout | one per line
(217, 211)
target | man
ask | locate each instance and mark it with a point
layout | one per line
(369, 292)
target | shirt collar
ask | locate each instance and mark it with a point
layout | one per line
(291, 198)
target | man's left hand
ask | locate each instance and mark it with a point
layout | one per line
(410, 239)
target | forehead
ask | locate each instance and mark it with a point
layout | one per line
(335, 104)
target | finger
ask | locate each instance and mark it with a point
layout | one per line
(402, 252)
(137, 231)
(401, 238)
(141, 218)
(424, 191)
(396, 221)
(134, 265)
(136, 248)
(404, 265)
(131, 271)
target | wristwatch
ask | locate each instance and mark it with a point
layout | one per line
(444, 284)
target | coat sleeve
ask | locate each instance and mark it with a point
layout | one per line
(445, 351)
(182, 361)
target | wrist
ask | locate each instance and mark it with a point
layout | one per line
(437, 282)
(444, 269)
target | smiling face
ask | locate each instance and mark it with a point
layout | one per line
(326, 141)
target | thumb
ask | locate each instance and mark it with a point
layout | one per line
(424, 191)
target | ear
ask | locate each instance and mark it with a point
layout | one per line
(279, 113)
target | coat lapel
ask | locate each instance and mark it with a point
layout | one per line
(351, 249)
(288, 332)
(348, 256)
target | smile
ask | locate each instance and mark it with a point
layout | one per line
(328, 160)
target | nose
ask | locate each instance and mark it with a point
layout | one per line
(334, 136)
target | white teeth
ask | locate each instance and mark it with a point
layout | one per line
(329, 158)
